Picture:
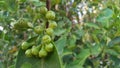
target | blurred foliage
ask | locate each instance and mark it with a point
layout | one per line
(87, 36)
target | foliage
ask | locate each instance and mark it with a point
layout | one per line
(87, 33)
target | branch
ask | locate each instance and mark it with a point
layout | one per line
(48, 6)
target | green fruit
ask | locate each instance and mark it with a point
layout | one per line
(16, 26)
(49, 31)
(25, 45)
(52, 24)
(46, 39)
(49, 47)
(35, 50)
(22, 24)
(28, 53)
(43, 10)
(50, 15)
(30, 25)
(42, 53)
(38, 29)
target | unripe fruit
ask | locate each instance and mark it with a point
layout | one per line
(43, 10)
(28, 8)
(87, 37)
(28, 53)
(22, 24)
(49, 31)
(25, 45)
(46, 39)
(38, 29)
(25, 24)
(35, 50)
(49, 47)
(42, 53)
(30, 25)
(50, 15)
(52, 24)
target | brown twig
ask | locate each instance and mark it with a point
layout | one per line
(48, 6)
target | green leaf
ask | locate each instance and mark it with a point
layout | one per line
(80, 59)
(58, 32)
(116, 48)
(1, 65)
(54, 2)
(60, 44)
(95, 38)
(85, 53)
(116, 62)
(79, 33)
(95, 50)
(71, 42)
(39, 4)
(2, 2)
(93, 25)
(103, 20)
(107, 12)
(26, 65)
(51, 61)
(34, 0)
(12, 5)
(112, 52)
(12, 66)
(73, 66)
(23, 0)
(3, 5)
(104, 17)
(114, 42)
(32, 39)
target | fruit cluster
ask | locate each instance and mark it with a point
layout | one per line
(46, 46)
(40, 50)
